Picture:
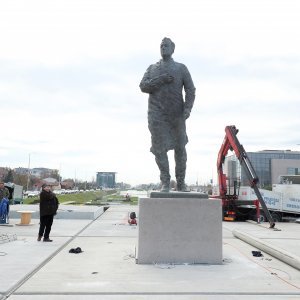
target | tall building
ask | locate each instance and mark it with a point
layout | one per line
(106, 179)
(270, 166)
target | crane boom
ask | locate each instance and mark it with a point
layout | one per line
(232, 143)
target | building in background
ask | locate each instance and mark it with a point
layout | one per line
(106, 180)
(37, 172)
(271, 167)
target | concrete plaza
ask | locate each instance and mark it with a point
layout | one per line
(106, 269)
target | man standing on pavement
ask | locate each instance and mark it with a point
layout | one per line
(167, 112)
(48, 208)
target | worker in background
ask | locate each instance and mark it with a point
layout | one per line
(127, 197)
(4, 192)
(48, 208)
(4, 204)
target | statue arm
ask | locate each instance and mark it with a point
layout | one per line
(190, 90)
(149, 85)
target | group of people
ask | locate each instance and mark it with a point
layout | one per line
(48, 208)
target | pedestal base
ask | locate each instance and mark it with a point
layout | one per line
(180, 231)
(175, 194)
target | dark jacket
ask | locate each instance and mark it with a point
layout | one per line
(48, 203)
(4, 193)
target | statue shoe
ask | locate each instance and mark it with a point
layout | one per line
(165, 187)
(181, 187)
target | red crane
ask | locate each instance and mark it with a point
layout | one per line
(229, 201)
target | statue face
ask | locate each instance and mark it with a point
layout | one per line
(166, 48)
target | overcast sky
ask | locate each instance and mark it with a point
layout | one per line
(70, 74)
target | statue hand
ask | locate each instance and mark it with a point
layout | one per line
(186, 113)
(166, 78)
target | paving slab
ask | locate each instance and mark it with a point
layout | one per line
(286, 236)
(110, 227)
(59, 228)
(117, 216)
(19, 258)
(199, 296)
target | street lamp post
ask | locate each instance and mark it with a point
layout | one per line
(28, 172)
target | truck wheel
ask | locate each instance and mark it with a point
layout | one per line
(262, 217)
(276, 217)
(252, 215)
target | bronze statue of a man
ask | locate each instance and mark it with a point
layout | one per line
(167, 112)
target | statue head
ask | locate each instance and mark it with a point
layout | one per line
(167, 48)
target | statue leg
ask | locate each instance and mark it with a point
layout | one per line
(180, 160)
(163, 165)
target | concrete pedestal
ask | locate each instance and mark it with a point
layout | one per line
(180, 231)
(183, 195)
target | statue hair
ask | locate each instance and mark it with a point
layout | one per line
(165, 39)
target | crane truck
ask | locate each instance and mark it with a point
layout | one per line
(230, 202)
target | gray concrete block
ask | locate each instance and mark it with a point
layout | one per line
(176, 194)
(89, 212)
(180, 231)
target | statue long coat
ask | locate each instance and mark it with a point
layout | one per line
(166, 104)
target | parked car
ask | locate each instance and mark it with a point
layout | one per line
(31, 194)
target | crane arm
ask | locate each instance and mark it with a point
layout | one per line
(232, 143)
